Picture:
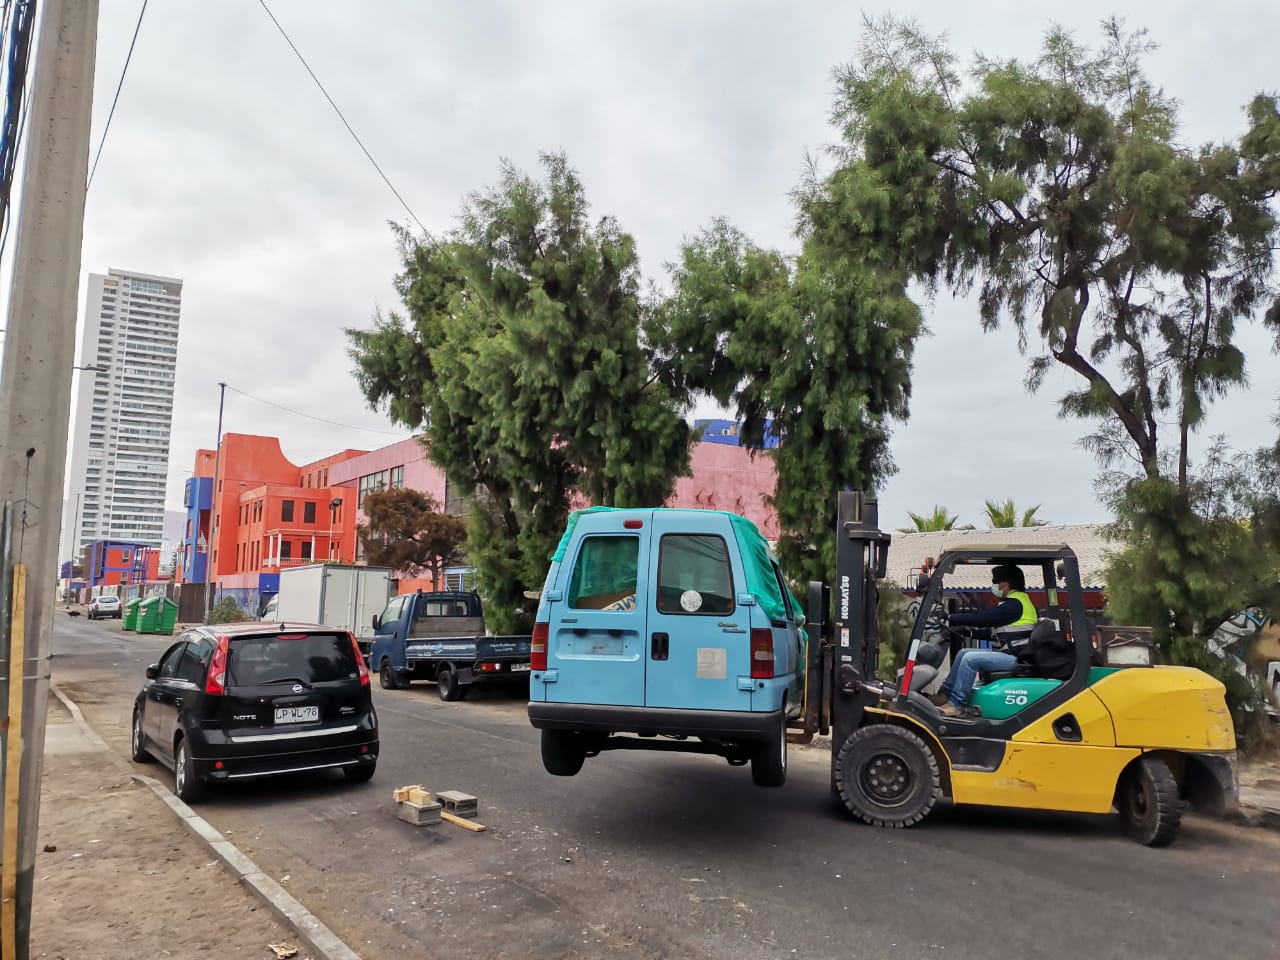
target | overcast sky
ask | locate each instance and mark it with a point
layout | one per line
(225, 167)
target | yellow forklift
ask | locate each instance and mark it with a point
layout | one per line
(1146, 740)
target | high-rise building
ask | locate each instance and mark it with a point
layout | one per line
(124, 410)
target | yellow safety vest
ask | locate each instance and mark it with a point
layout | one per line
(1029, 616)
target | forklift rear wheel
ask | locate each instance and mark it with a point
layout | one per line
(450, 689)
(887, 776)
(1148, 801)
(387, 677)
(769, 759)
(563, 752)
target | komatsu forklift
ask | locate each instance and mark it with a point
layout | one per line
(1146, 740)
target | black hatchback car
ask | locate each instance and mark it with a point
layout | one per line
(239, 701)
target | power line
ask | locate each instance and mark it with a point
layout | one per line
(309, 416)
(359, 143)
(119, 87)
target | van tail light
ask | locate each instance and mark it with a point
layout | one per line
(360, 664)
(538, 648)
(761, 654)
(216, 682)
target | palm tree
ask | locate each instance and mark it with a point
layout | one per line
(940, 519)
(1005, 514)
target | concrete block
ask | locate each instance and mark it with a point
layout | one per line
(458, 803)
(419, 814)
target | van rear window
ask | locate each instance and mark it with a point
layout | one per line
(312, 658)
(694, 575)
(604, 575)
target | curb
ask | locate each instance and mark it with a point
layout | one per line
(320, 940)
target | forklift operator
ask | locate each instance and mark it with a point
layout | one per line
(1010, 622)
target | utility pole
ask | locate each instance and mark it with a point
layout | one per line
(213, 509)
(35, 403)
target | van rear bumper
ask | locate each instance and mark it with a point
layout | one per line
(668, 721)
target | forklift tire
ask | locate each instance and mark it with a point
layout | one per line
(447, 685)
(563, 753)
(387, 678)
(1148, 802)
(887, 776)
(769, 759)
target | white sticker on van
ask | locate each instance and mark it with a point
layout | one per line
(713, 663)
(691, 601)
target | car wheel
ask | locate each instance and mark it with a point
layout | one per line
(387, 678)
(138, 740)
(563, 753)
(887, 776)
(362, 773)
(447, 683)
(185, 782)
(1148, 801)
(769, 759)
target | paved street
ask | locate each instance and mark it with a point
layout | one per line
(664, 856)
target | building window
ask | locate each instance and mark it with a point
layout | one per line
(286, 549)
(306, 549)
(372, 483)
(397, 478)
(286, 511)
(309, 512)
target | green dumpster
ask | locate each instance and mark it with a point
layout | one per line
(149, 615)
(130, 619)
(168, 617)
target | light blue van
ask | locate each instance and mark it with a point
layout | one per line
(666, 630)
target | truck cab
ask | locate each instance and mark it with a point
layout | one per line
(666, 629)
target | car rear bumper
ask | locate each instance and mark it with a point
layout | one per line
(655, 721)
(247, 766)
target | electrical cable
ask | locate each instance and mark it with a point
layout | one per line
(119, 87)
(359, 143)
(309, 416)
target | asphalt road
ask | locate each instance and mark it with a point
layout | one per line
(668, 856)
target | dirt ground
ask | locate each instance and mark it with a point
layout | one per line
(126, 881)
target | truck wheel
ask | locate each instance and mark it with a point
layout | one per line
(769, 759)
(887, 776)
(447, 683)
(387, 677)
(562, 752)
(1148, 802)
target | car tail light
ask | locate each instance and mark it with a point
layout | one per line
(216, 683)
(538, 647)
(761, 654)
(360, 664)
(490, 667)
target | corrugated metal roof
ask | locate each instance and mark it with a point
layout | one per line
(1091, 548)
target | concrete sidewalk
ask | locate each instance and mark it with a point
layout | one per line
(120, 879)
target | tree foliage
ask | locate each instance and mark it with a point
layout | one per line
(408, 531)
(518, 357)
(813, 350)
(940, 519)
(1004, 513)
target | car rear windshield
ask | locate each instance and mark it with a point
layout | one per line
(309, 657)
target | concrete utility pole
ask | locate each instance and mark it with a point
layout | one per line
(35, 395)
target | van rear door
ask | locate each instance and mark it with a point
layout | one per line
(699, 655)
(596, 626)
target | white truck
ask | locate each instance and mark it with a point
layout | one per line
(335, 595)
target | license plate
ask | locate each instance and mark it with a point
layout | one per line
(297, 714)
(519, 667)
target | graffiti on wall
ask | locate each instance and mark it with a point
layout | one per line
(1250, 643)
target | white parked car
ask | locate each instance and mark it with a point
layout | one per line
(105, 606)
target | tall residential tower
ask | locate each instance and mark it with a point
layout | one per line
(124, 410)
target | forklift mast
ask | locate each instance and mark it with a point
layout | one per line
(841, 659)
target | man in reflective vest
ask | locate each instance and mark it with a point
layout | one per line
(1010, 622)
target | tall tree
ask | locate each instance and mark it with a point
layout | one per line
(941, 519)
(1004, 513)
(519, 358)
(407, 530)
(812, 349)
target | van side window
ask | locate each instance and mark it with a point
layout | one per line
(441, 608)
(391, 612)
(786, 593)
(694, 576)
(604, 576)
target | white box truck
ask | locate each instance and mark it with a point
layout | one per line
(336, 595)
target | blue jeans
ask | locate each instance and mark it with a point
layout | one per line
(964, 671)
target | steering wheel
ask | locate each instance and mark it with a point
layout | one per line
(936, 621)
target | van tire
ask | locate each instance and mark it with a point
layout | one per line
(769, 759)
(562, 752)
(387, 678)
(887, 776)
(451, 691)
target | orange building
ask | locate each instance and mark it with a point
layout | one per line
(262, 512)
